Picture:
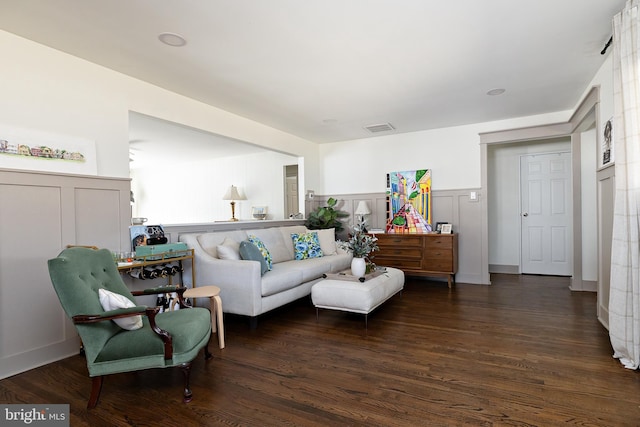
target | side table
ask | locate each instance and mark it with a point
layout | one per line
(212, 292)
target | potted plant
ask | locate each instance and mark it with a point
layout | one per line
(361, 245)
(326, 217)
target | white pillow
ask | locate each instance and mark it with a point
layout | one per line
(229, 249)
(112, 301)
(327, 238)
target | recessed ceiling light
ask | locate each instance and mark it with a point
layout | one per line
(494, 92)
(172, 39)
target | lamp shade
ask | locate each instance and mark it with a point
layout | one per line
(363, 208)
(232, 194)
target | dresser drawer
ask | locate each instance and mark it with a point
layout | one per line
(396, 252)
(434, 264)
(400, 263)
(438, 242)
(438, 254)
(399, 241)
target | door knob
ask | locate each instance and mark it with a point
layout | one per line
(525, 214)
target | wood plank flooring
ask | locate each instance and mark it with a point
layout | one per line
(524, 351)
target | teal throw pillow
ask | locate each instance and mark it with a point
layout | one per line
(263, 249)
(249, 251)
(306, 245)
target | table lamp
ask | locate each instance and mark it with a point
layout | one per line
(362, 210)
(233, 195)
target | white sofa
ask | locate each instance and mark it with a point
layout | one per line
(243, 289)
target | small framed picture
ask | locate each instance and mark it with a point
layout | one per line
(259, 212)
(445, 229)
(606, 151)
(439, 225)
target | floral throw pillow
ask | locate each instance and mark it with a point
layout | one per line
(306, 245)
(263, 249)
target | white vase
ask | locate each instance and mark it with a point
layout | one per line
(358, 267)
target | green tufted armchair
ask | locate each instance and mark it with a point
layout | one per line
(167, 339)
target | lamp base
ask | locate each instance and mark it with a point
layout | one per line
(233, 211)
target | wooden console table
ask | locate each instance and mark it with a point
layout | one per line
(419, 254)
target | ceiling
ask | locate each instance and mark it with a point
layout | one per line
(325, 69)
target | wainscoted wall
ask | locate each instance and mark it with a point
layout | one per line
(453, 206)
(40, 214)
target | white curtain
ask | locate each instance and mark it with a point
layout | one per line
(624, 301)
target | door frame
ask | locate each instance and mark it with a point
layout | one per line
(584, 117)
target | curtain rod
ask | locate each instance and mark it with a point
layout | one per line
(606, 46)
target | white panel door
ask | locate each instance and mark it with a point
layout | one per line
(291, 196)
(546, 237)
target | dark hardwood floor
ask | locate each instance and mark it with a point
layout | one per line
(524, 351)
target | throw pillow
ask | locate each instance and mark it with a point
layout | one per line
(249, 251)
(112, 301)
(229, 249)
(327, 240)
(263, 249)
(306, 245)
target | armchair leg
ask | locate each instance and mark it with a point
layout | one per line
(207, 353)
(186, 370)
(96, 387)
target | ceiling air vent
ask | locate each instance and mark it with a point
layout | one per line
(384, 127)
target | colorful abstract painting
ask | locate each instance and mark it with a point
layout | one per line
(409, 201)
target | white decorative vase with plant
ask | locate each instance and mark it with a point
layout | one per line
(361, 245)
(358, 267)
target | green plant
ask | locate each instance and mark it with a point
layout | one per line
(326, 217)
(360, 243)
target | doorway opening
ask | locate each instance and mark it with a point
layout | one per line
(291, 204)
(580, 133)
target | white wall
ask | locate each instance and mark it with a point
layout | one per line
(453, 154)
(589, 205)
(590, 150)
(603, 79)
(47, 90)
(169, 197)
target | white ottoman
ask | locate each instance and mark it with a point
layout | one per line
(357, 297)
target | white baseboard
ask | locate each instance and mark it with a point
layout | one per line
(505, 269)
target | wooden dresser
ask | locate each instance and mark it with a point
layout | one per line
(419, 254)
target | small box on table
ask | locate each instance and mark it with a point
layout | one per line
(155, 252)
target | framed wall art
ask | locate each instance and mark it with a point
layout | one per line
(47, 152)
(607, 146)
(409, 201)
(439, 225)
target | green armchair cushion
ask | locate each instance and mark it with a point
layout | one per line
(138, 349)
